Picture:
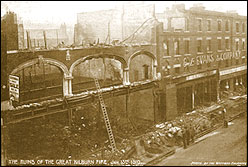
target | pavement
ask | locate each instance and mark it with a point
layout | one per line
(222, 147)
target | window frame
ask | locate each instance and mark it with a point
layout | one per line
(187, 47)
(167, 52)
(201, 50)
(209, 39)
(227, 21)
(176, 50)
(237, 27)
(219, 20)
(210, 25)
(229, 46)
(219, 39)
(243, 44)
(186, 25)
(199, 19)
(236, 46)
(243, 27)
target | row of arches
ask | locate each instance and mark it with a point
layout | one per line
(67, 74)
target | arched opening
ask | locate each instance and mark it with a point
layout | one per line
(142, 66)
(106, 68)
(40, 79)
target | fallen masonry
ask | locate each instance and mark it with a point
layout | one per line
(55, 140)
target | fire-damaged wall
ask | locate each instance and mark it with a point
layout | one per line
(133, 106)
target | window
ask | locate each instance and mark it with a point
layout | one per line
(199, 24)
(199, 45)
(186, 46)
(243, 27)
(237, 45)
(209, 25)
(237, 27)
(219, 25)
(186, 24)
(227, 44)
(227, 25)
(209, 45)
(243, 45)
(176, 47)
(219, 44)
(166, 47)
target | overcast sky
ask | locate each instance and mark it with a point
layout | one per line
(57, 12)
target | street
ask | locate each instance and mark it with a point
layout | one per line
(224, 146)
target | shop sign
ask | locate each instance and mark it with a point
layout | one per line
(229, 71)
(14, 87)
(195, 76)
(209, 58)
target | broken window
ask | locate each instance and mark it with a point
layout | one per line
(176, 47)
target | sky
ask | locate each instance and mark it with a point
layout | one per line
(58, 12)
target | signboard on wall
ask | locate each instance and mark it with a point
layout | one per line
(14, 87)
(209, 58)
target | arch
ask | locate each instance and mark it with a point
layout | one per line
(149, 54)
(116, 57)
(45, 60)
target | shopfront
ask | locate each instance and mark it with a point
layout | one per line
(196, 90)
(233, 80)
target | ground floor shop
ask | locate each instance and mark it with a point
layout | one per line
(233, 80)
(193, 94)
(186, 93)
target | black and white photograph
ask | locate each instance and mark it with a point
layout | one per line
(123, 83)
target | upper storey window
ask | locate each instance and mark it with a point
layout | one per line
(219, 44)
(166, 47)
(186, 24)
(186, 46)
(208, 25)
(243, 27)
(199, 45)
(219, 25)
(227, 25)
(179, 24)
(237, 27)
(199, 24)
(176, 47)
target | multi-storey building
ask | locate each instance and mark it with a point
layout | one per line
(13, 29)
(112, 24)
(202, 54)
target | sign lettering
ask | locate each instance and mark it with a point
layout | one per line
(209, 58)
(14, 87)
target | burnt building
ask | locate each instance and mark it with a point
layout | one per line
(35, 37)
(14, 31)
(113, 24)
(202, 54)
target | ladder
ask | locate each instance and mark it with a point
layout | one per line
(105, 116)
